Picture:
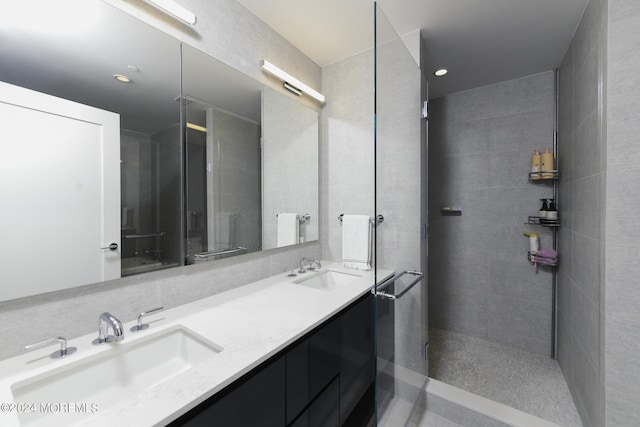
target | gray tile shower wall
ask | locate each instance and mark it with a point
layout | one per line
(582, 198)
(480, 147)
(622, 331)
(229, 32)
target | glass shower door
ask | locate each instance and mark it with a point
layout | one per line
(400, 255)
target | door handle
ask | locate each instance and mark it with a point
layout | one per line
(112, 247)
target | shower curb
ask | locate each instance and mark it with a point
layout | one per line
(469, 409)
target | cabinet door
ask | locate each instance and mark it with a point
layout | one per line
(324, 410)
(356, 358)
(255, 401)
(311, 365)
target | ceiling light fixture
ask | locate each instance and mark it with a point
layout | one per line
(441, 72)
(290, 82)
(122, 78)
(176, 10)
(196, 127)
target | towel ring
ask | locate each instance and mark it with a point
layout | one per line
(378, 219)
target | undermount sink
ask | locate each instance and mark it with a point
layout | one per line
(115, 375)
(328, 279)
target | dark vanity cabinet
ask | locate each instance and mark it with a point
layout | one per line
(323, 411)
(257, 399)
(325, 379)
(312, 366)
(357, 368)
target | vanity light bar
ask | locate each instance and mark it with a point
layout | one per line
(292, 89)
(176, 10)
(289, 80)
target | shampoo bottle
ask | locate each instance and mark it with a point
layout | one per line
(552, 212)
(536, 162)
(542, 213)
(547, 164)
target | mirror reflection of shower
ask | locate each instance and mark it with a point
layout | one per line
(146, 167)
(224, 187)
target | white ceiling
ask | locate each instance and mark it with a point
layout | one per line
(480, 41)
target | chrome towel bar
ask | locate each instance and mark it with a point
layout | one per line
(379, 290)
(217, 252)
(140, 236)
(378, 219)
(302, 218)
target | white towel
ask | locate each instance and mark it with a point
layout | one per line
(356, 242)
(288, 224)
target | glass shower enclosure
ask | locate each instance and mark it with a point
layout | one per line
(400, 240)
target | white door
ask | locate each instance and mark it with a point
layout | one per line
(60, 181)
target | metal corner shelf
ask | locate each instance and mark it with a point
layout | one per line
(536, 220)
(533, 259)
(550, 178)
(543, 176)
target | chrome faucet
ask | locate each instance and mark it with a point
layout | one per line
(311, 264)
(105, 321)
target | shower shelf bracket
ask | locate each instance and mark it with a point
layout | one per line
(542, 222)
(543, 176)
(533, 259)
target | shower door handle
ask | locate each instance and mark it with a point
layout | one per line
(379, 292)
(112, 247)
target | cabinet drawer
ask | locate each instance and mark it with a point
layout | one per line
(311, 365)
(324, 410)
(357, 349)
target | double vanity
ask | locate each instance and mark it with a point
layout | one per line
(206, 358)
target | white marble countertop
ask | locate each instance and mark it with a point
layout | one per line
(250, 323)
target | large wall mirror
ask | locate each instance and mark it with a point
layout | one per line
(223, 134)
(212, 160)
(290, 171)
(46, 206)
(252, 163)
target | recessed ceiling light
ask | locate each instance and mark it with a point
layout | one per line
(441, 72)
(122, 78)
